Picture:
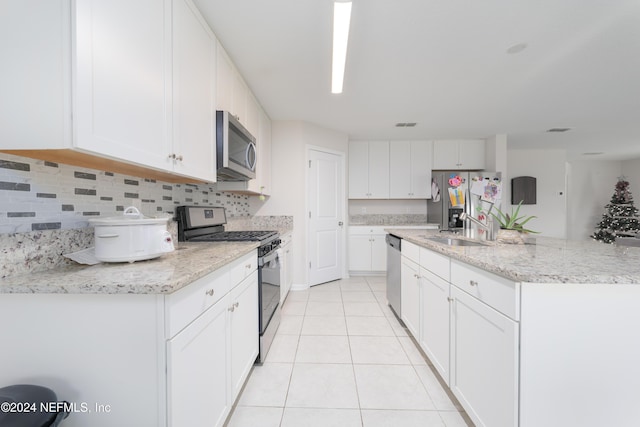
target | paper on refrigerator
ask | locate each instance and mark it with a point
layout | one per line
(456, 196)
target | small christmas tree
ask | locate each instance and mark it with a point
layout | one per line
(621, 217)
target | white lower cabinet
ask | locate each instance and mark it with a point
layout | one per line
(465, 320)
(197, 360)
(210, 359)
(243, 319)
(410, 295)
(286, 266)
(170, 360)
(484, 361)
(367, 249)
(434, 339)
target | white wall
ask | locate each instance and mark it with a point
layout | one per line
(591, 185)
(290, 140)
(631, 170)
(549, 168)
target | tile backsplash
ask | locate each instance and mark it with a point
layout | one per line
(38, 195)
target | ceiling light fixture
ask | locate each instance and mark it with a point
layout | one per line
(341, 21)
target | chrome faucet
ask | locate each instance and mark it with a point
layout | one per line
(488, 226)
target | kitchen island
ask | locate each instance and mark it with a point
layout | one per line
(163, 342)
(528, 335)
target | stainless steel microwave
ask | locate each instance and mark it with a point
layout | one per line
(235, 149)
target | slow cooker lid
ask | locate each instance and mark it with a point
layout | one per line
(130, 216)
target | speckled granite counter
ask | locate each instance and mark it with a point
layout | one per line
(163, 275)
(542, 260)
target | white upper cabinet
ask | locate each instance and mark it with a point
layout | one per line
(459, 154)
(128, 86)
(224, 79)
(234, 94)
(122, 72)
(368, 169)
(410, 169)
(193, 93)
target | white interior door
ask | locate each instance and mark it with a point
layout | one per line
(325, 193)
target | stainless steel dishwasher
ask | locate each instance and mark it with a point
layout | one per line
(393, 273)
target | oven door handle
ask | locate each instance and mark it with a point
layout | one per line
(265, 259)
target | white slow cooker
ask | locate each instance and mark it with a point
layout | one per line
(131, 237)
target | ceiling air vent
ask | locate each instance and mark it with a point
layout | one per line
(558, 130)
(405, 125)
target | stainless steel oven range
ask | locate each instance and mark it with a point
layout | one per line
(206, 224)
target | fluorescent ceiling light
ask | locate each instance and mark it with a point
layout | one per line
(341, 20)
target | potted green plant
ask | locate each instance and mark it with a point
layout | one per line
(512, 225)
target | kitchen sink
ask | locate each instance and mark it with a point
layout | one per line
(450, 241)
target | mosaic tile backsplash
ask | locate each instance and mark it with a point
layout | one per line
(38, 195)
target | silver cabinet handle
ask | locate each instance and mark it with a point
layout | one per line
(179, 158)
(236, 305)
(473, 283)
(231, 309)
(449, 299)
(210, 292)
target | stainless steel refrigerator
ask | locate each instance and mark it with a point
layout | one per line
(455, 192)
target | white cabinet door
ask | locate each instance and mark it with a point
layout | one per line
(471, 154)
(459, 154)
(286, 266)
(368, 169)
(400, 170)
(434, 338)
(378, 253)
(252, 114)
(224, 79)
(410, 296)
(484, 361)
(264, 154)
(193, 93)
(445, 155)
(197, 371)
(244, 329)
(239, 98)
(360, 252)
(421, 164)
(122, 80)
(410, 169)
(358, 169)
(367, 249)
(379, 170)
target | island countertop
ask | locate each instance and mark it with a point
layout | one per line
(542, 259)
(163, 275)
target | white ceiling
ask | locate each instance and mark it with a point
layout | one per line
(444, 64)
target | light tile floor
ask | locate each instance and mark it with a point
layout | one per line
(341, 358)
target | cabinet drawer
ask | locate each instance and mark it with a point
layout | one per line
(410, 251)
(497, 292)
(438, 264)
(186, 304)
(243, 267)
(366, 229)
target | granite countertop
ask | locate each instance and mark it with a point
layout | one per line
(163, 275)
(542, 259)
